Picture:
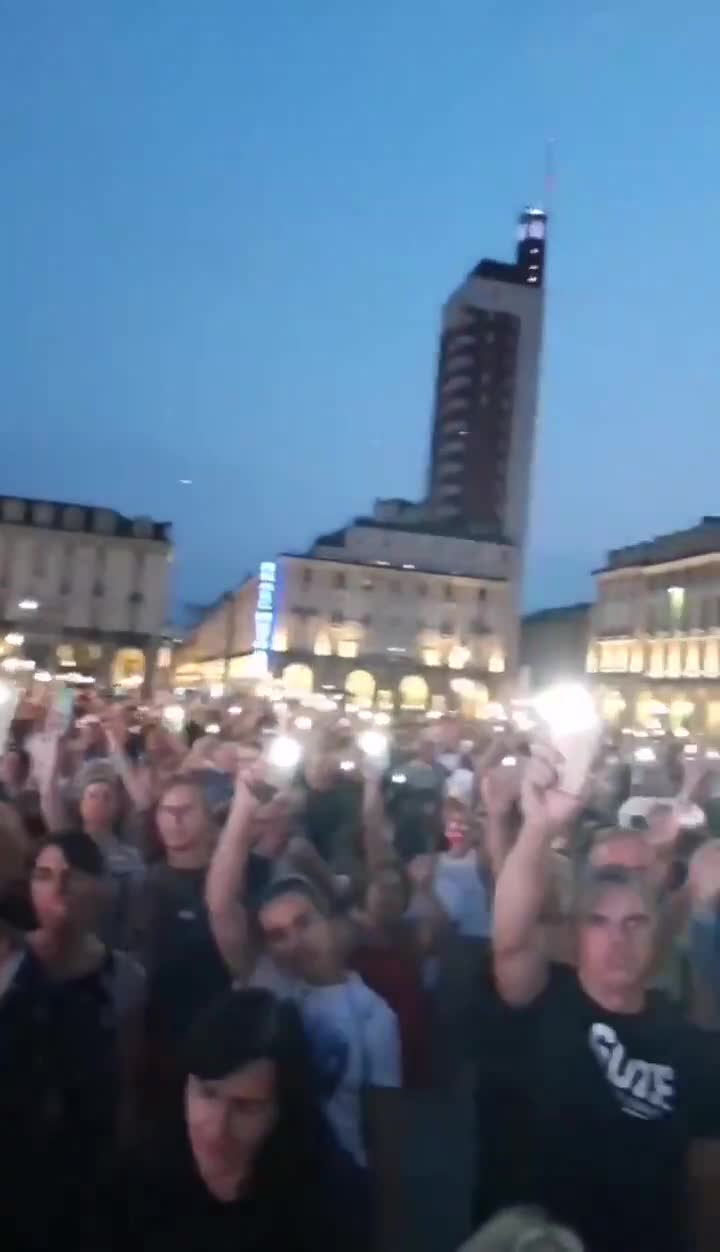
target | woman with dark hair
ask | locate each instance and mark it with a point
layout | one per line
(252, 1164)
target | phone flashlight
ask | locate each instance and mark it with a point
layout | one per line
(284, 753)
(644, 756)
(569, 713)
(373, 743)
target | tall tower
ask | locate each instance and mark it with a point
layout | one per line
(486, 393)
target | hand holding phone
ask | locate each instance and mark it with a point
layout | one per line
(573, 727)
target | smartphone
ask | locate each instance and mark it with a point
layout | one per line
(571, 721)
(63, 708)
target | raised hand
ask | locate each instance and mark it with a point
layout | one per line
(704, 874)
(500, 788)
(543, 803)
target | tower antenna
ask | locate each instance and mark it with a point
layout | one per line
(549, 179)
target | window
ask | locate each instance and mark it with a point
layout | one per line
(367, 584)
(307, 576)
(449, 595)
(72, 518)
(337, 618)
(43, 515)
(135, 597)
(99, 590)
(322, 644)
(13, 510)
(104, 522)
(446, 628)
(347, 647)
(431, 656)
(482, 595)
(339, 581)
(395, 586)
(422, 589)
(458, 657)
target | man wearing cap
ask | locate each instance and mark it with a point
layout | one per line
(616, 1084)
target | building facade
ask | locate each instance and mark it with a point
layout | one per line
(655, 636)
(386, 616)
(83, 591)
(486, 397)
(554, 644)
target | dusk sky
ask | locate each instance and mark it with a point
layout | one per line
(228, 229)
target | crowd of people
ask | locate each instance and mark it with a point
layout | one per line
(369, 1005)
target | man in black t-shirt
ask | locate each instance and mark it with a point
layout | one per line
(616, 1084)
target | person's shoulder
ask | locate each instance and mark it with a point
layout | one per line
(372, 1005)
(562, 992)
(270, 977)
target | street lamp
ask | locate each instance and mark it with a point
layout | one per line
(29, 605)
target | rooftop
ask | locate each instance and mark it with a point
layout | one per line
(80, 518)
(698, 540)
(336, 538)
(558, 613)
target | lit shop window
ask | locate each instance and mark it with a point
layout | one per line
(279, 642)
(298, 677)
(347, 647)
(361, 686)
(458, 657)
(674, 666)
(323, 647)
(711, 668)
(692, 661)
(414, 692)
(637, 658)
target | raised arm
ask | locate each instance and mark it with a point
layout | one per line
(46, 765)
(225, 884)
(499, 790)
(376, 844)
(135, 779)
(521, 962)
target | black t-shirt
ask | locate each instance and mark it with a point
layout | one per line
(614, 1100)
(156, 1202)
(185, 969)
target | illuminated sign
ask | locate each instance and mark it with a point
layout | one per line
(265, 609)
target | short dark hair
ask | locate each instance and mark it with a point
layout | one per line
(238, 1027)
(294, 885)
(80, 851)
(593, 883)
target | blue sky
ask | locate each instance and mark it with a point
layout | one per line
(227, 230)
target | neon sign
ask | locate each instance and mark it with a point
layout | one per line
(265, 608)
